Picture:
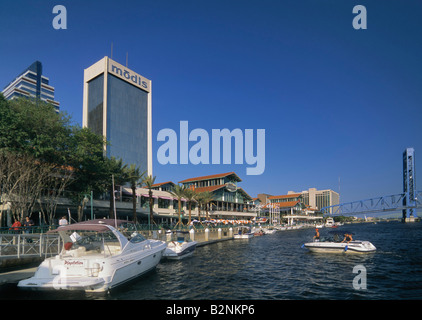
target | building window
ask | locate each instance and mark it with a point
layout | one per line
(163, 203)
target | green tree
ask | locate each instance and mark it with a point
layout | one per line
(39, 135)
(88, 164)
(38, 130)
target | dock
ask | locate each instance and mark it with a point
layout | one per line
(15, 276)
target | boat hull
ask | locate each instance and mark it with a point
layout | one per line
(243, 236)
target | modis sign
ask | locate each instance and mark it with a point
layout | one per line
(128, 75)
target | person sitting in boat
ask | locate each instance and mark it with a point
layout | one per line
(316, 236)
(347, 237)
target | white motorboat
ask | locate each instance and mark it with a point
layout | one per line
(96, 257)
(269, 230)
(244, 233)
(335, 244)
(356, 246)
(179, 246)
(329, 222)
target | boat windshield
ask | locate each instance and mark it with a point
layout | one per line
(335, 236)
(136, 237)
(178, 236)
(331, 238)
(83, 242)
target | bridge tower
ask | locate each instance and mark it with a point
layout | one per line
(409, 185)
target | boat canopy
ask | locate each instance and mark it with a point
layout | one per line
(99, 225)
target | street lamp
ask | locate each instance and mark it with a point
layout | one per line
(86, 200)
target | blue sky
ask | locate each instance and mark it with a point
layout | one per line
(334, 101)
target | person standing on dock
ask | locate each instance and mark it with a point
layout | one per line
(16, 226)
(63, 221)
(28, 224)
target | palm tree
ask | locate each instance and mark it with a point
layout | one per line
(179, 191)
(190, 196)
(198, 198)
(115, 168)
(206, 198)
(135, 178)
(149, 181)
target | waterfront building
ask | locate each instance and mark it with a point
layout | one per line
(301, 206)
(256, 201)
(32, 84)
(288, 203)
(164, 186)
(311, 199)
(117, 105)
(229, 200)
(290, 197)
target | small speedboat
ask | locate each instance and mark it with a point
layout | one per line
(96, 256)
(269, 230)
(244, 233)
(257, 231)
(335, 244)
(179, 246)
(330, 223)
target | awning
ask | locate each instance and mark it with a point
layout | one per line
(91, 225)
(147, 196)
(165, 198)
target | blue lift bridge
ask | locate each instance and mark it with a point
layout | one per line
(407, 202)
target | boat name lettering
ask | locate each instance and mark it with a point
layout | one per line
(73, 262)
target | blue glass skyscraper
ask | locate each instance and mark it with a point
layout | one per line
(117, 105)
(31, 83)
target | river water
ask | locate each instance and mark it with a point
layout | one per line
(276, 267)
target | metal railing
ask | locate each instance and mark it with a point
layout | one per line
(19, 245)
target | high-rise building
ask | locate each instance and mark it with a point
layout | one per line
(319, 199)
(31, 83)
(409, 184)
(117, 105)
